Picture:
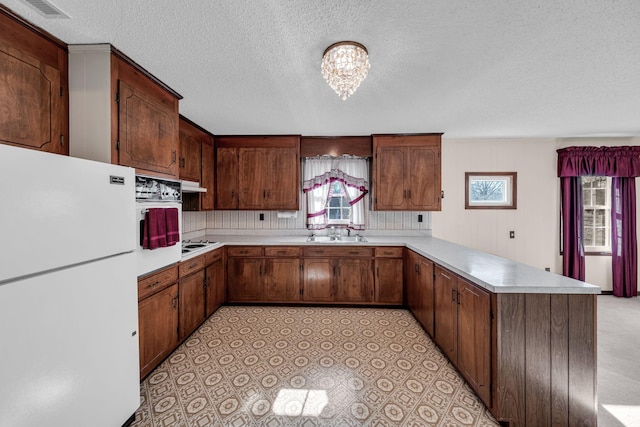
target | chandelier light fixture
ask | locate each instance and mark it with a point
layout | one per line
(344, 66)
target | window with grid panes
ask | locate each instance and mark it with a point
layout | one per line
(338, 207)
(596, 202)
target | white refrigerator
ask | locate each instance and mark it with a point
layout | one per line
(68, 291)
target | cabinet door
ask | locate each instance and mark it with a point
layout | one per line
(283, 186)
(388, 281)
(423, 178)
(254, 171)
(318, 280)
(390, 190)
(158, 327)
(215, 290)
(281, 279)
(243, 279)
(426, 293)
(474, 333)
(147, 131)
(207, 175)
(446, 316)
(353, 280)
(190, 154)
(32, 102)
(227, 178)
(411, 283)
(191, 303)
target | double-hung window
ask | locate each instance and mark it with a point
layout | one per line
(596, 203)
(338, 207)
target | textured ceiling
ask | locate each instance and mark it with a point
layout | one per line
(498, 68)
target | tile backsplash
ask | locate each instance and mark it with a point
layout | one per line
(250, 220)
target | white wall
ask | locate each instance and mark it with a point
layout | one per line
(535, 221)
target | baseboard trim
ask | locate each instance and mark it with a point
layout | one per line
(130, 421)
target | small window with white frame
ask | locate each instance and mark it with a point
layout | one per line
(596, 202)
(338, 207)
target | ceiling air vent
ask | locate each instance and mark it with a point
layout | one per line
(47, 9)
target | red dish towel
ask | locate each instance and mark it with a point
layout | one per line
(155, 229)
(173, 229)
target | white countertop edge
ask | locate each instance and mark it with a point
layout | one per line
(514, 277)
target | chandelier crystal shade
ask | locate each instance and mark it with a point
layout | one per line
(344, 66)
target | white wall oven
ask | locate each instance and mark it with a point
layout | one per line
(156, 193)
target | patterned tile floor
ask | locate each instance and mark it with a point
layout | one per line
(308, 366)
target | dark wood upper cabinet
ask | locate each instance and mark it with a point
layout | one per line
(208, 175)
(147, 131)
(226, 178)
(33, 87)
(130, 117)
(190, 162)
(407, 172)
(197, 163)
(311, 146)
(258, 172)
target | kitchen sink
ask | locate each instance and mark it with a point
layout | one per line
(336, 239)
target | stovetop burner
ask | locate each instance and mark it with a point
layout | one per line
(189, 247)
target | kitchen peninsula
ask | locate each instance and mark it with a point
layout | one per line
(523, 338)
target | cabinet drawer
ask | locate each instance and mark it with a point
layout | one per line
(245, 251)
(286, 251)
(389, 252)
(212, 256)
(189, 266)
(155, 282)
(324, 251)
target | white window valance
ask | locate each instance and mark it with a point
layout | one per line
(320, 172)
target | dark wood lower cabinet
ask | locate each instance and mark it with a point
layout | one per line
(531, 358)
(446, 312)
(388, 281)
(317, 283)
(192, 302)
(353, 280)
(215, 281)
(243, 279)
(158, 327)
(170, 309)
(337, 280)
(474, 338)
(281, 279)
(270, 279)
(420, 291)
(315, 274)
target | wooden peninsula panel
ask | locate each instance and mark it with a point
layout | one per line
(544, 368)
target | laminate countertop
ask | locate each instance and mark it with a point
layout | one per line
(494, 273)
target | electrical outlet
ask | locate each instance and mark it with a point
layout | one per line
(419, 217)
(261, 217)
(512, 234)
